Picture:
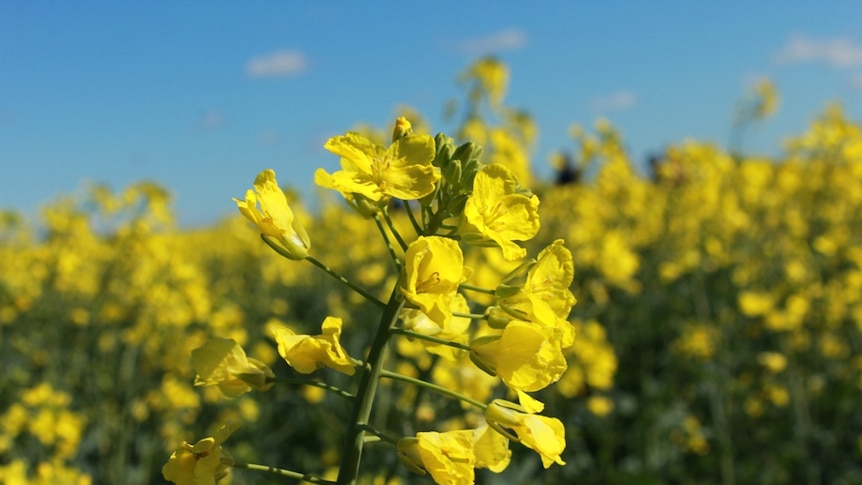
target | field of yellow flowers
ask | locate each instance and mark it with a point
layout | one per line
(715, 303)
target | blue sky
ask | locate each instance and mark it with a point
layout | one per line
(200, 96)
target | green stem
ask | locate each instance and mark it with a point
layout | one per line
(362, 405)
(434, 387)
(381, 435)
(308, 382)
(412, 218)
(471, 316)
(345, 281)
(392, 229)
(285, 473)
(429, 338)
(389, 246)
(477, 289)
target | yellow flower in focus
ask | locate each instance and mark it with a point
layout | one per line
(454, 331)
(222, 362)
(203, 463)
(448, 456)
(307, 353)
(274, 217)
(544, 435)
(403, 170)
(496, 213)
(545, 298)
(491, 449)
(433, 269)
(525, 357)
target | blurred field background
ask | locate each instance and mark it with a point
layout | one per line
(719, 315)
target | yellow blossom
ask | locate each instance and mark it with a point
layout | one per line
(496, 213)
(203, 463)
(223, 363)
(454, 331)
(491, 449)
(545, 297)
(523, 356)
(274, 217)
(448, 457)
(433, 269)
(403, 170)
(544, 435)
(307, 353)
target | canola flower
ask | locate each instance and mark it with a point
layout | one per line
(202, 463)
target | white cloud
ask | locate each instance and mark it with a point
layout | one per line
(504, 40)
(856, 82)
(617, 101)
(210, 119)
(836, 52)
(281, 63)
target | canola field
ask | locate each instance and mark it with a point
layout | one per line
(447, 317)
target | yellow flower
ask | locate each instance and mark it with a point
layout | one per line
(454, 331)
(496, 213)
(403, 170)
(448, 456)
(491, 449)
(203, 463)
(545, 436)
(433, 269)
(545, 297)
(274, 217)
(222, 362)
(524, 356)
(307, 353)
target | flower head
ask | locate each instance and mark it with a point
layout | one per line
(403, 170)
(222, 362)
(545, 297)
(203, 463)
(525, 356)
(448, 456)
(307, 353)
(454, 331)
(544, 435)
(495, 212)
(266, 206)
(433, 269)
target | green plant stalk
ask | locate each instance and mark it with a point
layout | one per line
(285, 473)
(429, 338)
(477, 289)
(434, 387)
(308, 382)
(364, 402)
(389, 246)
(342, 279)
(391, 226)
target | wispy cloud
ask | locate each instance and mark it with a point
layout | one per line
(508, 39)
(277, 64)
(835, 52)
(210, 119)
(856, 82)
(620, 100)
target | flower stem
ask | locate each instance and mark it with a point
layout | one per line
(285, 473)
(412, 217)
(477, 289)
(392, 229)
(309, 382)
(389, 246)
(362, 405)
(471, 316)
(434, 387)
(429, 338)
(345, 281)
